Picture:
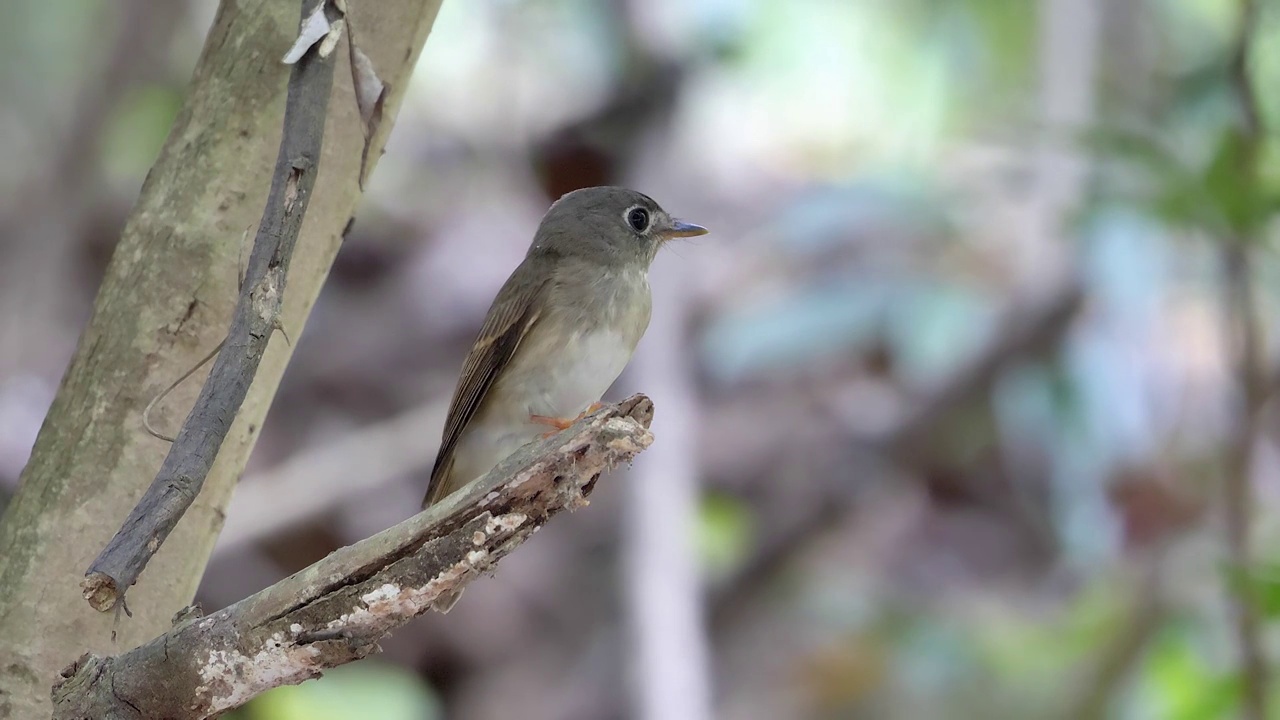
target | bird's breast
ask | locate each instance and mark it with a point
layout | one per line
(580, 347)
(580, 369)
(557, 372)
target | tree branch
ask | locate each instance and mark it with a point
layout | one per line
(338, 609)
(1240, 304)
(1237, 489)
(1032, 326)
(257, 314)
(1144, 616)
(1027, 329)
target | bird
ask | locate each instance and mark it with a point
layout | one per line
(559, 332)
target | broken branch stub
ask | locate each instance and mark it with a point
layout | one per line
(336, 610)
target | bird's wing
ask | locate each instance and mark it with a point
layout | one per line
(514, 311)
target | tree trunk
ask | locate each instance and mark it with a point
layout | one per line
(164, 303)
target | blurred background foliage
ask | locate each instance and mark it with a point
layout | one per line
(978, 358)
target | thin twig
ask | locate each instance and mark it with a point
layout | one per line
(1237, 489)
(1145, 614)
(1241, 84)
(337, 610)
(146, 412)
(192, 454)
(1241, 306)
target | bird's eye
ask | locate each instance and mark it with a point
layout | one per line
(638, 219)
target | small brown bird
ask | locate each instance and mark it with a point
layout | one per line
(560, 331)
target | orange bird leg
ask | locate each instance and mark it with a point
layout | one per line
(560, 423)
(557, 423)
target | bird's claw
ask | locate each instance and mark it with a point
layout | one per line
(560, 423)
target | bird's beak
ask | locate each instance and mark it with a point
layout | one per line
(682, 229)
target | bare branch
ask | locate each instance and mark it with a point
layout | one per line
(1237, 490)
(192, 455)
(1031, 327)
(1025, 331)
(338, 609)
(1240, 305)
(1145, 615)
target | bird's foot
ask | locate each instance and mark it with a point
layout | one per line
(556, 423)
(561, 423)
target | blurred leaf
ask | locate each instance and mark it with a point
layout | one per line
(1172, 190)
(1259, 585)
(361, 690)
(137, 130)
(839, 676)
(1185, 686)
(1264, 66)
(1001, 32)
(1233, 186)
(1268, 169)
(725, 533)
(1137, 147)
(1009, 32)
(1022, 648)
(1226, 196)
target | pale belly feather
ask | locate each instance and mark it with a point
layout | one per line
(558, 382)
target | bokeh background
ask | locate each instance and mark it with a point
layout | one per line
(962, 408)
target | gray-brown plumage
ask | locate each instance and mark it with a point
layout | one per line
(560, 331)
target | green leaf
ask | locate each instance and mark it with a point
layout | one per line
(137, 128)
(1259, 585)
(1231, 182)
(1171, 189)
(362, 690)
(1137, 148)
(725, 533)
(1224, 197)
(1185, 687)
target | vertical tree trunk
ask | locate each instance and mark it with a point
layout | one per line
(1068, 45)
(671, 666)
(165, 302)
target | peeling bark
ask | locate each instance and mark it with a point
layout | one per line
(337, 610)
